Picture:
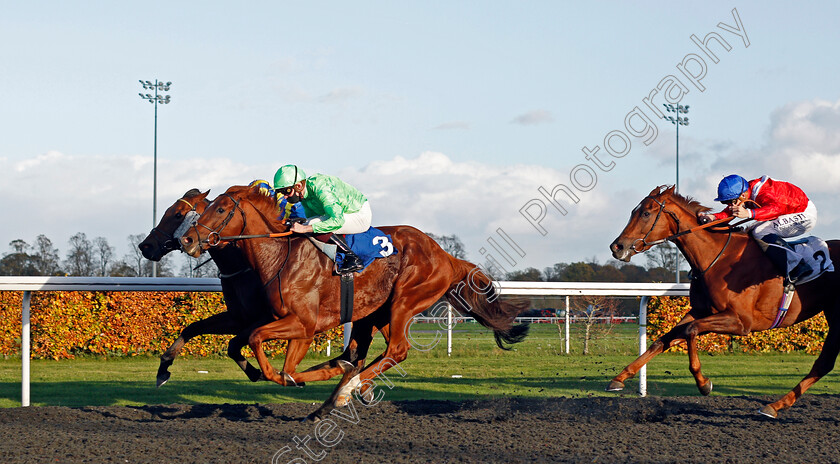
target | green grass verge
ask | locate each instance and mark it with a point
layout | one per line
(536, 368)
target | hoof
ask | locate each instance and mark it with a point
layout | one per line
(346, 366)
(615, 386)
(346, 392)
(769, 412)
(311, 418)
(162, 377)
(290, 382)
(254, 375)
(367, 397)
(706, 389)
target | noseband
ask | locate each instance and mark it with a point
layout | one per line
(214, 237)
(172, 242)
(679, 233)
(644, 241)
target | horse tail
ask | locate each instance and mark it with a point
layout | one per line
(474, 294)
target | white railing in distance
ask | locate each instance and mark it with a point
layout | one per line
(182, 284)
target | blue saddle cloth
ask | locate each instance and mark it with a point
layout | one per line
(368, 246)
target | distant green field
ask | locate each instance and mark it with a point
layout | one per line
(537, 367)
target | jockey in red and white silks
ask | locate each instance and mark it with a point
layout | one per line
(780, 209)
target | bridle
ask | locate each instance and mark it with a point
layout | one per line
(171, 242)
(680, 233)
(214, 237)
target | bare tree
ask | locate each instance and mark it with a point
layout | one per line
(198, 267)
(450, 244)
(46, 256)
(103, 254)
(661, 256)
(79, 261)
(592, 309)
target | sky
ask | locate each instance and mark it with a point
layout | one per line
(469, 118)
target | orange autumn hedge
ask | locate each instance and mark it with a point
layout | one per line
(808, 336)
(65, 324)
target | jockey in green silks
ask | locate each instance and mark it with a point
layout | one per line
(331, 205)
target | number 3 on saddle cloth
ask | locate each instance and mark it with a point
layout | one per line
(368, 246)
(814, 252)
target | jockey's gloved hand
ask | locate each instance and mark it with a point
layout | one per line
(291, 221)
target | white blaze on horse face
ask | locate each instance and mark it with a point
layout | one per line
(189, 220)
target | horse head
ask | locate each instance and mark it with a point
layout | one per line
(657, 217)
(241, 209)
(181, 215)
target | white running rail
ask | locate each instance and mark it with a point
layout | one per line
(181, 284)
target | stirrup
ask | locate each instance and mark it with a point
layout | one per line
(350, 263)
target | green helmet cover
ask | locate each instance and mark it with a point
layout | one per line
(288, 175)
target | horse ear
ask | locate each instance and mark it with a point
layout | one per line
(204, 195)
(670, 190)
(655, 191)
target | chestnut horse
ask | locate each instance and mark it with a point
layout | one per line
(245, 298)
(734, 290)
(247, 306)
(304, 291)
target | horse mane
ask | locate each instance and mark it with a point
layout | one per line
(687, 202)
(192, 192)
(264, 203)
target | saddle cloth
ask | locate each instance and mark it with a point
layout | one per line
(367, 245)
(814, 251)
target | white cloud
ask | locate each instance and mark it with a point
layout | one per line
(533, 118)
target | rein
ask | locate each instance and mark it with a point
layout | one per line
(214, 238)
(686, 232)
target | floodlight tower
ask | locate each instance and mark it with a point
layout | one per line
(677, 121)
(159, 88)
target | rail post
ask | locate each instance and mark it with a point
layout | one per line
(24, 349)
(643, 344)
(449, 330)
(567, 324)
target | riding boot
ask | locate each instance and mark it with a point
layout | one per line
(351, 261)
(799, 272)
(779, 251)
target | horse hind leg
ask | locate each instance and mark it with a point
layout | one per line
(822, 366)
(235, 352)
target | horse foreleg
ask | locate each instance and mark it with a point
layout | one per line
(726, 322)
(822, 366)
(362, 382)
(671, 338)
(295, 351)
(222, 323)
(703, 383)
(361, 337)
(288, 328)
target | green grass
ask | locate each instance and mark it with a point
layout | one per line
(536, 368)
